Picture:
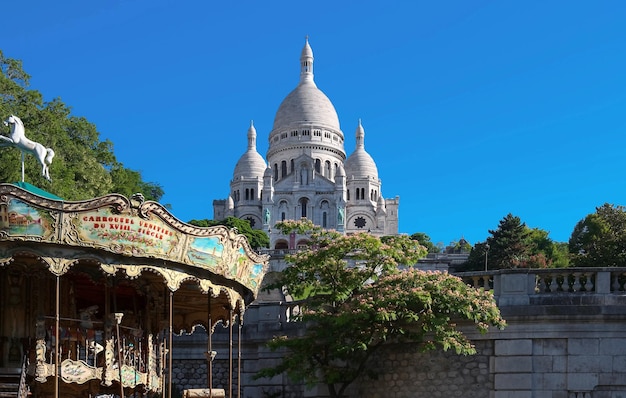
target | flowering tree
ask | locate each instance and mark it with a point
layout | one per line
(353, 298)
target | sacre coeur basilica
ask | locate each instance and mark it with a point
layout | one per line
(307, 173)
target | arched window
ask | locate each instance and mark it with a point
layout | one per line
(318, 165)
(362, 193)
(292, 168)
(324, 222)
(348, 195)
(275, 172)
(283, 169)
(327, 169)
(282, 206)
(252, 194)
(247, 194)
(304, 202)
(281, 245)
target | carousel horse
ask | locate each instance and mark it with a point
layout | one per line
(18, 139)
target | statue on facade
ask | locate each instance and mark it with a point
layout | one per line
(341, 216)
(266, 216)
(18, 139)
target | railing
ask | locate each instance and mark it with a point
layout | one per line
(23, 391)
(278, 252)
(511, 287)
(517, 286)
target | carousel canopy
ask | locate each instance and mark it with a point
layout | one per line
(211, 273)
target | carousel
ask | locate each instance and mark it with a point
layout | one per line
(92, 292)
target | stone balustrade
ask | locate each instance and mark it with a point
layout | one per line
(526, 286)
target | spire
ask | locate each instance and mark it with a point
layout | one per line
(252, 137)
(306, 63)
(360, 136)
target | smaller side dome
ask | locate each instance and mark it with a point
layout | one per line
(380, 204)
(360, 164)
(341, 172)
(251, 164)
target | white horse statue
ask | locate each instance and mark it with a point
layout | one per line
(18, 139)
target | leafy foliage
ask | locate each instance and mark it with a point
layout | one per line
(599, 240)
(256, 238)
(514, 245)
(425, 241)
(83, 167)
(456, 247)
(354, 298)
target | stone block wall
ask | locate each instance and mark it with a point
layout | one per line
(404, 372)
(192, 373)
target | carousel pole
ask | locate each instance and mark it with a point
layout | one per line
(210, 348)
(22, 165)
(239, 357)
(171, 344)
(230, 353)
(118, 320)
(57, 366)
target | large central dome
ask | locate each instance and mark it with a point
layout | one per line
(306, 104)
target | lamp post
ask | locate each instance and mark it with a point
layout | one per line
(486, 253)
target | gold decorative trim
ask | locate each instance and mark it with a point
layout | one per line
(79, 372)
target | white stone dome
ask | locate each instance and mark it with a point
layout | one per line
(360, 164)
(251, 164)
(306, 104)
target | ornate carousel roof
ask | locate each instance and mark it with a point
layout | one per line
(212, 272)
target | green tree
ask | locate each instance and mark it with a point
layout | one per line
(353, 298)
(508, 245)
(544, 252)
(478, 258)
(599, 240)
(425, 241)
(514, 245)
(83, 167)
(257, 238)
(456, 247)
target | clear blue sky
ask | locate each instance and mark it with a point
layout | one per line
(471, 109)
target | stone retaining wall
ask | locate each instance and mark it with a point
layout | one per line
(560, 342)
(404, 372)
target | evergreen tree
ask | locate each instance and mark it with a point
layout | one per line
(508, 245)
(539, 251)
